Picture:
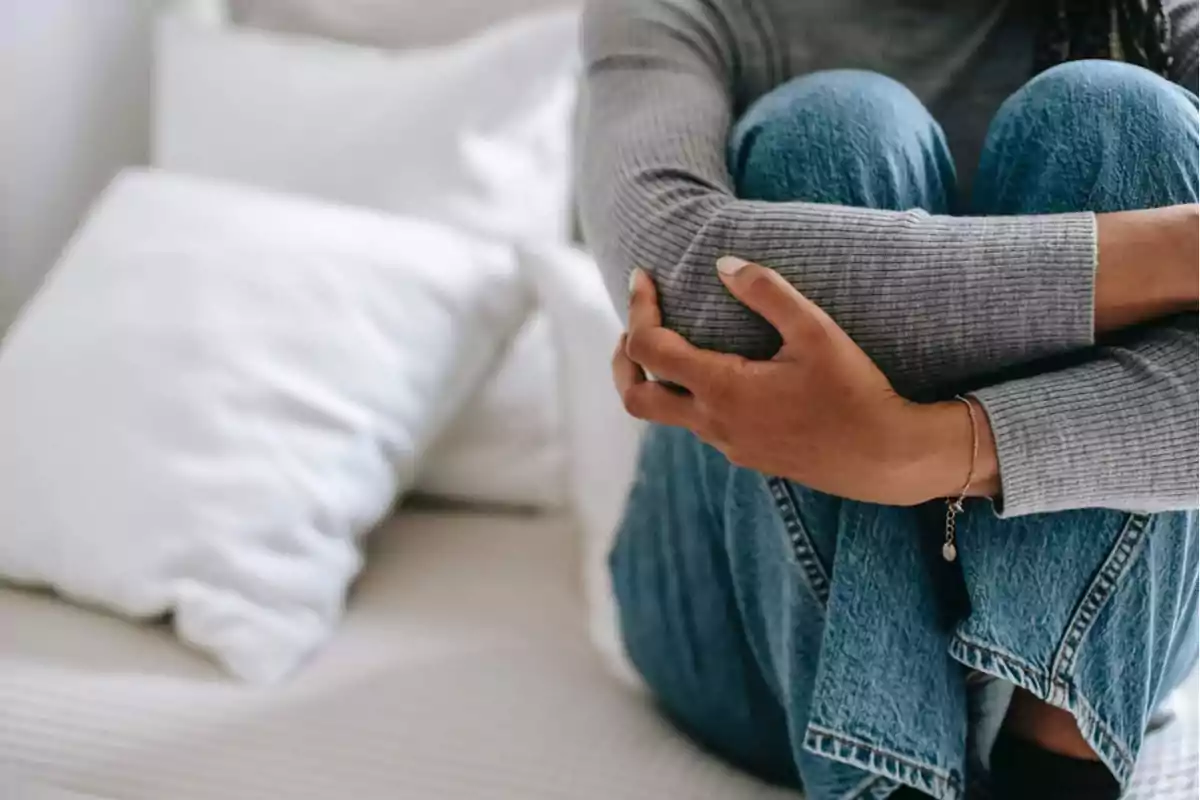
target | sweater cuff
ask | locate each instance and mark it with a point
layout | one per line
(1033, 279)
(1094, 437)
(1024, 462)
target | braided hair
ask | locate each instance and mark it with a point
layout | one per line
(1133, 31)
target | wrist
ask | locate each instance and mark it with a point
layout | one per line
(1186, 272)
(932, 454)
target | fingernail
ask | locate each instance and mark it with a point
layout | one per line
(633, 279)
(730, 265)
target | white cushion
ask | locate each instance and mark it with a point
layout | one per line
(506, 447)
(476, 133)
(602, 439)
(219, 390)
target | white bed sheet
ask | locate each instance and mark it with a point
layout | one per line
(462, 672)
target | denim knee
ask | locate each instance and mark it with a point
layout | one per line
(843, 136)
(1090, 135)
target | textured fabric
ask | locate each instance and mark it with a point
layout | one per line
(800, 636)
(836, 644)
(933, 299)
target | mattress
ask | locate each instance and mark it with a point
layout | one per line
(462, 672)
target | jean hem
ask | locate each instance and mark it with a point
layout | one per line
(1056, 691)
(891, 769)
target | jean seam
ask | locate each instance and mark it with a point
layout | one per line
(801, 543)
(1057, 691)
(1103, 587)
(885, 764)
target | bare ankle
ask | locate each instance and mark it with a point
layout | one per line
(1050, 728)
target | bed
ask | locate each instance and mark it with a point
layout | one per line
(462, 670)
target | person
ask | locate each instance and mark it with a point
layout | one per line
(913, 317)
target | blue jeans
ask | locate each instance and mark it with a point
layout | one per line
(805, 637)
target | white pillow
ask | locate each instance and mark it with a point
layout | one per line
(506, 446)
(218, 391)
(476, 133)
(602, 439)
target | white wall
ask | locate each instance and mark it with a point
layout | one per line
(74, 108)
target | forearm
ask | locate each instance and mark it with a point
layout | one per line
(1116, 431)
(1146, 266)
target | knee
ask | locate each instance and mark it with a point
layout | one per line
(1093, 98)
(1122, 134)
(828, 136)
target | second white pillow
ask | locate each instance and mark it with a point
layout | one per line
(507, 446)
(476, 133)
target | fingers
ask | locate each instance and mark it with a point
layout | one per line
(654, 402)
(767, 294)
(649, 400)
(669, 357)
(643, 302)
(625, 372)
(661, 352)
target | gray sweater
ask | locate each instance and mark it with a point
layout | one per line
(933, 300)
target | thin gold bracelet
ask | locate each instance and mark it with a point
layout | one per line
(954, 507)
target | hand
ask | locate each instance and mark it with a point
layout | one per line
(819, 413)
